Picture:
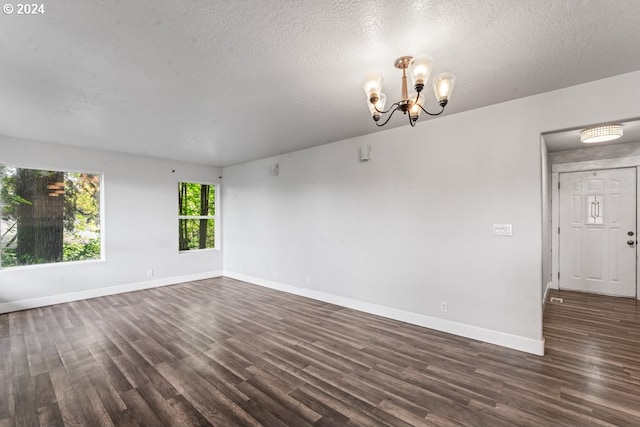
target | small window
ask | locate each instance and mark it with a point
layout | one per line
(196, 216)
(48, 216)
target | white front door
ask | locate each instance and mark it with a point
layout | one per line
(598, 231)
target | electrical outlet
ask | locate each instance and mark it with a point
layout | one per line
(443, 306)
(503, 230)
(150, 272)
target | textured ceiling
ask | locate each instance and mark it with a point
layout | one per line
(223, 82)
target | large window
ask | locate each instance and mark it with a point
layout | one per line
(48, 216)
(196, 216)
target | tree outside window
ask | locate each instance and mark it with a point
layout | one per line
(196, 216)
(48, 216)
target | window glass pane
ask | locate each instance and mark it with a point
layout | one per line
(48, 216)
(595, 209)
(197, 234)
(196, 199)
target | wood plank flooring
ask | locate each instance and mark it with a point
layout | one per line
(222, 352)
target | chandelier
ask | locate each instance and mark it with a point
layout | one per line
(420, 68)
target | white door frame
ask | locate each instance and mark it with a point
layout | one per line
(555, 208)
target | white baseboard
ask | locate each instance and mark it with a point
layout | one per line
(546, 293)
(100, 292)
(503, 339)
(550, 286)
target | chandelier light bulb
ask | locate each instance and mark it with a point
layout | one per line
(420, 69)
(443, 87)
(417, 101)
(373, 84)
(377, 107)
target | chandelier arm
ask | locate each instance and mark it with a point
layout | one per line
(388, 118)
(392, 107)
(431, 114)
(411, 122)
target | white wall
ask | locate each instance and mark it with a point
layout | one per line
(412, 227)
(141, 230)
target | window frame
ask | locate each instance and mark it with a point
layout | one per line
(215, 216)
(102, 227)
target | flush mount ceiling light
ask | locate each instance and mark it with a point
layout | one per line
(601, 134)
(420, 68)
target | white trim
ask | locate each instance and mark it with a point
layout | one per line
(103, 218)
(516, 342)
(555, 236)
(546, 293)
(100, 292)
(217, 228)
(191, 181)
(190, 251)
(622, 162)
(101, 208)
(59, 264)
(217, 239)
(40, 166)
(618, 163)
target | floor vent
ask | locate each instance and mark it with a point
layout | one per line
(556, 299)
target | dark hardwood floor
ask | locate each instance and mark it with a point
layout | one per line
(223, 352)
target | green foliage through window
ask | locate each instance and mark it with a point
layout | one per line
(48, 216)
(196, 216)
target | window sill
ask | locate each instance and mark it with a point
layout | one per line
(53, 264)
(189, 251)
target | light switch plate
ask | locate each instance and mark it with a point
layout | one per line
(503, 230)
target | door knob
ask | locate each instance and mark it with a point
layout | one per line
(630, 233)
(630, 242)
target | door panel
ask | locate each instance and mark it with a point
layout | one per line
(597, 210)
